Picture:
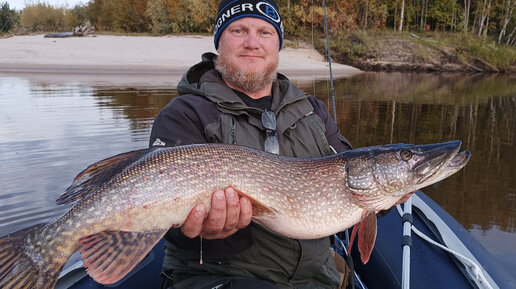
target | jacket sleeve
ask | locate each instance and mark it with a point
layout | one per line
(335, 139)
(177, 124)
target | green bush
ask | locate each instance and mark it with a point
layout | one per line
(8, 18)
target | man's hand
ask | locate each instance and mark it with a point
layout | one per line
(228, 214)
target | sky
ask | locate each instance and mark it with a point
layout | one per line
(20, 4)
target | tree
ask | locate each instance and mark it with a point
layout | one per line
(101, 13)
(161, 23)
(511, 39)
(80, 12)
(301, 17)
(7, 17)
(94, 9)
(44, 17)
(508, 9)
(467, 7)
(123, 15)
(141, 21)
(401, 14)
(484, 17)
(442, 13)
(422, 19)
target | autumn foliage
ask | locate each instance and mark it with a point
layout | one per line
(301, 17)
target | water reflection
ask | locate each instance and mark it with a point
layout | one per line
(50, 132)
(139, 106)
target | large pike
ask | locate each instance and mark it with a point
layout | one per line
(126, 203)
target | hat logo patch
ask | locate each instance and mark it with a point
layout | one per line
(268, 11)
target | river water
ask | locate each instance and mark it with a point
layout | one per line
(50, 131)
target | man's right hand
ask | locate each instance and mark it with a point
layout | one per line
(228, 213)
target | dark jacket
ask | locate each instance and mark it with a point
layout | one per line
(206, 110)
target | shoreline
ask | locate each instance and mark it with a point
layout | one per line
(152, 60)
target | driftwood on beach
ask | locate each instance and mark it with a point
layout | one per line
(82, 30)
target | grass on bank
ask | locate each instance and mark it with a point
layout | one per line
(500, 56)
(354, 46)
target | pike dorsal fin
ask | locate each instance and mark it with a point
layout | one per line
(110, 255)
(89, 180)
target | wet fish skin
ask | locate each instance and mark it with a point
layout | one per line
(126, 203)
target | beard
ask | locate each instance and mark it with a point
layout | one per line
(244, 79)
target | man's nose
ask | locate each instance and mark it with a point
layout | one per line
(252, 41)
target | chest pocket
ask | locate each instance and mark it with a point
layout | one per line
(228, 129)
(237, 130)
(224, 130)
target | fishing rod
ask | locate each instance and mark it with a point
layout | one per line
(349, 259)
(329, 62)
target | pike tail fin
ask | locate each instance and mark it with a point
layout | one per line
(19, 269)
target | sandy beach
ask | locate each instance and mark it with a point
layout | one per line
(108, 59)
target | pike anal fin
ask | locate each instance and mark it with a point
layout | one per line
(110, 255)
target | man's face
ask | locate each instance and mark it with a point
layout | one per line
(248, 53)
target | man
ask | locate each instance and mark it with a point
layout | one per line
(238, 97)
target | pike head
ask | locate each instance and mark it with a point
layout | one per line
(378, 177)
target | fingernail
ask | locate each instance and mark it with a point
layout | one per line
(199, 211)
(230, 193)
(219, 195)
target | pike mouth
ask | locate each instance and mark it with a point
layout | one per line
(460, 159)
(449, 165)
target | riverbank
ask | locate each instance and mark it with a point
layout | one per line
(148, 59)
(422, 52)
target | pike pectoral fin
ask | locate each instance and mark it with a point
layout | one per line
(259, 209)
(96, 174)
(367, 235)
(110, 255)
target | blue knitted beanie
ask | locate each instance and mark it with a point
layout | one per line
(231, 10)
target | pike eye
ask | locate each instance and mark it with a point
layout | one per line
(406, 155)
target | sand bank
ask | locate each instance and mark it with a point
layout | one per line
(145, 59)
